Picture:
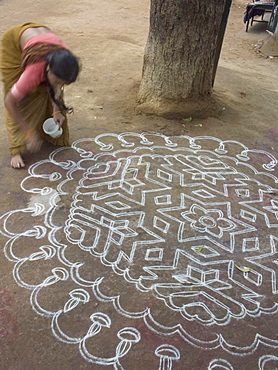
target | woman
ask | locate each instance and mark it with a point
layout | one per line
(35, 66)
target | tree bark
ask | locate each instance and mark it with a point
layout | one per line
(180, 55)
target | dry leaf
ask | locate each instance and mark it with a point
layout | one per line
(199, 250)
(189, 119)
(243, 269)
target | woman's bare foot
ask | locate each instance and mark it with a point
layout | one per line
(17, 161)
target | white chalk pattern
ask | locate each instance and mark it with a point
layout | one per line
(191, 223)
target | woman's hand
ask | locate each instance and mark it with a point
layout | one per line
(33, 141)
(59, 118)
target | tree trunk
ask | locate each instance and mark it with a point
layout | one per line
(180, 56)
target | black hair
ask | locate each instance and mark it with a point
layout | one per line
(65, 66)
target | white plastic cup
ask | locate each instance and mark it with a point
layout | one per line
(51, 128)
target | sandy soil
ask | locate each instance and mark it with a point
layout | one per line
(109, 37)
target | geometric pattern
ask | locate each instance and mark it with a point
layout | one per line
(143, 235)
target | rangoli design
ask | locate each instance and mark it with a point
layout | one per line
(142, 243)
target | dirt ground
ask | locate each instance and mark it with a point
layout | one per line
(109, 37)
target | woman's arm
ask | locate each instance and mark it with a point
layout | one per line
(11, 104)
(59, 118)
(33, 140)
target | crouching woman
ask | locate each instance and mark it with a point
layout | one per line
(35, 65)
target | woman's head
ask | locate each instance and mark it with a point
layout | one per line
(62, 68)
(64, 65)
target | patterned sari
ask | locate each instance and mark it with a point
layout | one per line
(36, 106)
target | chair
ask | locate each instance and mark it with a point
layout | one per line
(257, 8)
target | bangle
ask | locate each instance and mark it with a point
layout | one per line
(53, 114)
